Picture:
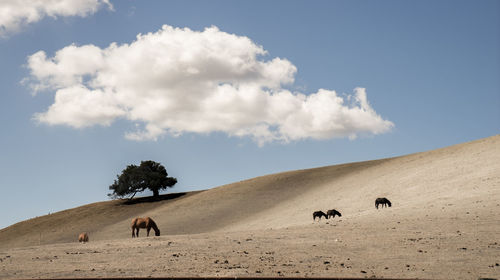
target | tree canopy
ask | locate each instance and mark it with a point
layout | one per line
(148, 175)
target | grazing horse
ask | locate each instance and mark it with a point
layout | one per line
(83, 237)
(319, 214)
(384, 201)
(332, 213)
(146, 223)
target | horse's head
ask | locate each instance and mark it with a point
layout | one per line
(338, 213)
(157, 233)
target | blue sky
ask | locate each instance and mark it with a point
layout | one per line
(350, 80)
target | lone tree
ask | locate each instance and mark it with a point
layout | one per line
(149, 175)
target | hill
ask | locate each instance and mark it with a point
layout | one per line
(454, 176)
(444, 223)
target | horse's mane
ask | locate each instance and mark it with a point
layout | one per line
(153, 225)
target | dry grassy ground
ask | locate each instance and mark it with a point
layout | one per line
(444, 223)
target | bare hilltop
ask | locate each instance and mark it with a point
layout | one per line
(444, 223)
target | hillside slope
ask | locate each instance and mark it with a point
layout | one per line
(443, 183)
(64, 226)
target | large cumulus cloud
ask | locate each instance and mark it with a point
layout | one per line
(177, 80)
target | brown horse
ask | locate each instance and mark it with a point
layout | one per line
(146, 223)
(83, 237)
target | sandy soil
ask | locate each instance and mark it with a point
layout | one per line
(398, 248)
(444, 223)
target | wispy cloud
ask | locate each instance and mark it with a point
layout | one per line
(15, 14)
(178, 81)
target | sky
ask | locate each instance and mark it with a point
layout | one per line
(223, 91)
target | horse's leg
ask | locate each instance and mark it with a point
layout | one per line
(137, 232)
(133, 233)
(148, 230)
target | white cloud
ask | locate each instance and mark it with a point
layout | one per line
(81, 107)
(178, 81)
(15, 14)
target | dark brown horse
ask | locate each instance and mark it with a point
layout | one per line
(319, 214)
(384, 201)
(332, 213)
(146, 223)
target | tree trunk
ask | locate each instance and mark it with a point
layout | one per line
(132, 196)
(156, 193)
